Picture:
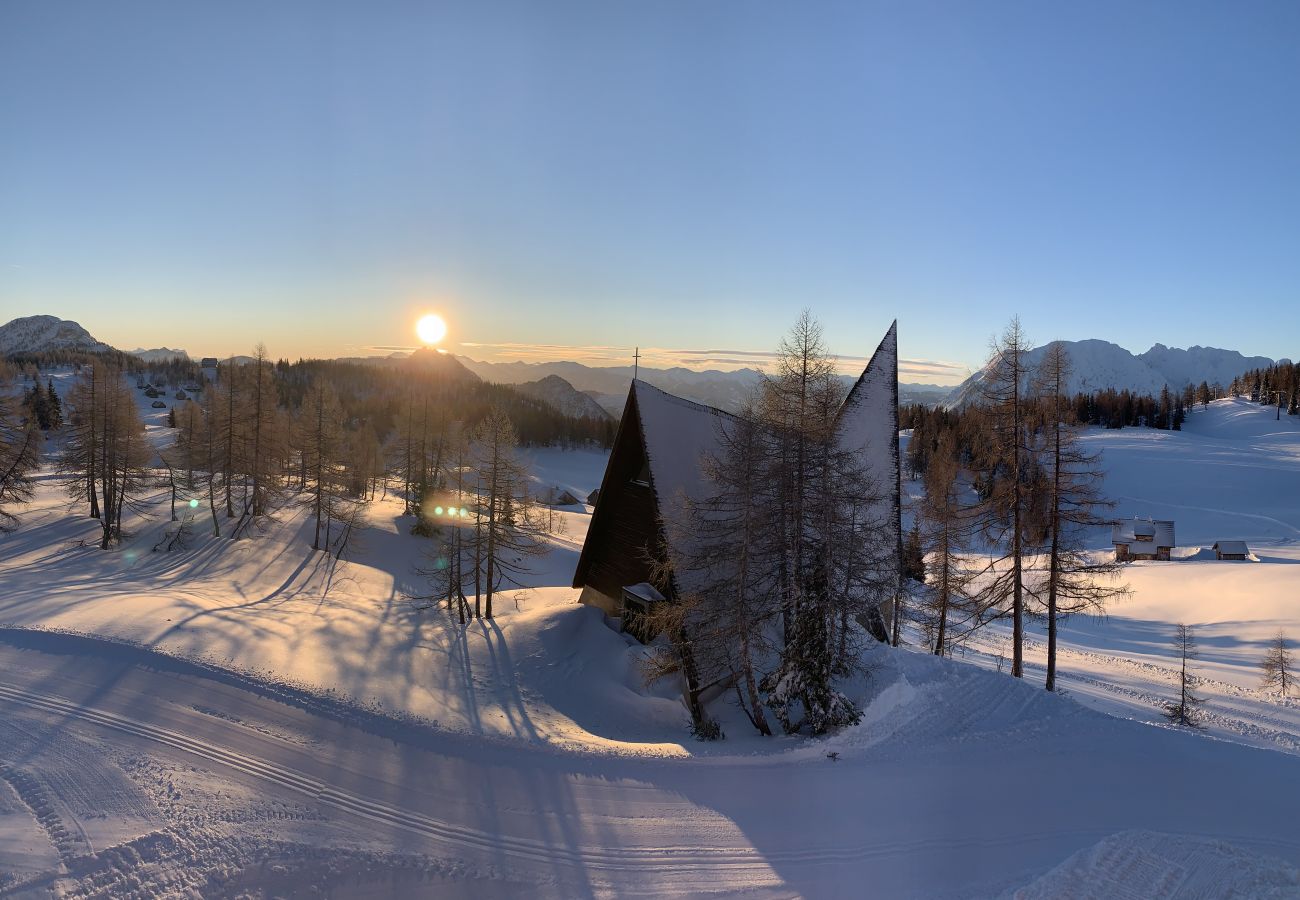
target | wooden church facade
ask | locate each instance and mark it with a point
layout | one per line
(625, 531)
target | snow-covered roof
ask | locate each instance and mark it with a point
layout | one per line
(645, 591)
(1232, 547)
(677, 435)
(868, 422)
(1158, 532)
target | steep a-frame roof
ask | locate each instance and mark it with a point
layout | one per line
(676, 434)
(868, 423)
(868, 419)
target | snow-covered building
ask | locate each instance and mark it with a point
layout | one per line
(1142, 539)
(655, 467)
(1231, 550)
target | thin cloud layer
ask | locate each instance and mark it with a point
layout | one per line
(937, 371)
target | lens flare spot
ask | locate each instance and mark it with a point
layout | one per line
(437, 510)
(194, 504)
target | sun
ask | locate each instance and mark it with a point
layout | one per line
(431, 329)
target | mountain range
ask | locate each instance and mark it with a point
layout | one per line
(1098, 365)
(577, 389)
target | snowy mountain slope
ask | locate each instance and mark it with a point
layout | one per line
(35, 334)
(1098, 365)
(557, 393)
(1197, 364)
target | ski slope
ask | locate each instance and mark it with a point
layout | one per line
(252, 716)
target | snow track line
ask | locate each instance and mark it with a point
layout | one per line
(702, 861)
(679, 858)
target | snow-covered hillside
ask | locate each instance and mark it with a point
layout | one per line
(35, 334)
(1197, 364)
(254, 717)
(1098, 365)
(557, 393)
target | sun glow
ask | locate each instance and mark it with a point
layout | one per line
(431, 329)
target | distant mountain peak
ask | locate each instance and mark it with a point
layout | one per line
(40, 334)
(560, 395)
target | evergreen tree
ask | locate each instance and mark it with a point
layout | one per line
(54, 404)
(914, 555)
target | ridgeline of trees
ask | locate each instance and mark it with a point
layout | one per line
(262, 435)
(1278, 385)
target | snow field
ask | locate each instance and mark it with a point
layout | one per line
(362, 737)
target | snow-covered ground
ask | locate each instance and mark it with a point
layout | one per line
(253, 717)
(1233, 473)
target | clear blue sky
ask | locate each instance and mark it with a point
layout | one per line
(674, 175)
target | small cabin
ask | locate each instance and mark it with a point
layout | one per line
(1142, 539)
(1231, 550)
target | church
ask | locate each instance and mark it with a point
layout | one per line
(655, 467)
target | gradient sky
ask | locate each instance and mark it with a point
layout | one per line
(558, 176)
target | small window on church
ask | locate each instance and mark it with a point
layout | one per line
(643, 476)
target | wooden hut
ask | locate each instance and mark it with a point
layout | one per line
(1231, 550)
(1143, 539)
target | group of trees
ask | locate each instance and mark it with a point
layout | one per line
(329, 434)
(105, 457)
(1276, 666)
(43, 406)
(1277, 385)
(784, 561)
(484, 522)
(20, 453)
(1008, 474)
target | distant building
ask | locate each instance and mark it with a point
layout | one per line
(209, 362)
(1142, 539)
(1231, 550)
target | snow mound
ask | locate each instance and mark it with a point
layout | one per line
(1144, 865)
